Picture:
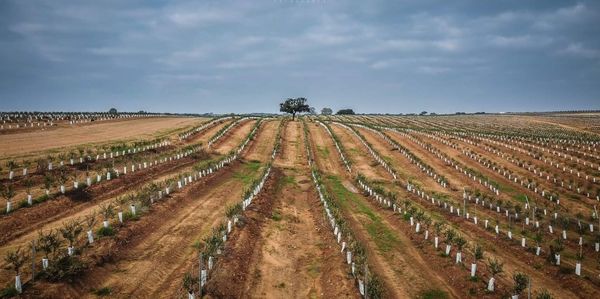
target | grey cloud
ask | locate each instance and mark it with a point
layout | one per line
(462, 55)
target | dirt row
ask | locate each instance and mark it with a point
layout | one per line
(404, 271)
(52, 214)
(507, 254)
(233, 137)
(284, 249)
(151, 261)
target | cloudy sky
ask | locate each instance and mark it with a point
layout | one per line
(245, 56)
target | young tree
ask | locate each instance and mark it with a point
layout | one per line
(555, 250)
(293, 106)
(28, 183)
(544, 294)
(426, 225)
(450, 234)
(326, 111)
(8, 193)
(70, 231)
(11, 165)
(90, 221)
(188, 285)
(460, 243)
(477, 255)
(48, 182)
(49, 244)
(538, 238)
(108, 211)
(521, 281)
(15, 260)
(439, 229)
(496, 268)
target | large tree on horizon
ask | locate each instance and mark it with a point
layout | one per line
(293, 106)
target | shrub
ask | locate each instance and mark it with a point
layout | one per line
(71, 231)
(22, 204)
(106, 232)
(188, 282)
(65, 268)
(521, 281)
(496, 267)
(41, 199)
(127, 216)
(15, 260)
(102, 292)
(544, 294)
(375, 288)
(478, 252)
(9, 292)
(276, 216)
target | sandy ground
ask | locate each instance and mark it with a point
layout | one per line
(152, 262)
(285, 248)
(507, 254)
(404, 272)
(233, 137)
(136, 129)
(297, 257)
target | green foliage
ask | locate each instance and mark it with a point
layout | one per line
(495, 266)
(15, 260)
(544, 294)
(188, 282)
(233, 210)
(48, 243)
(248, 172)
(9, 292)
(293, 106)
(7, 191)
(106, 232)
(65, 268)
(478, 252)
(41, 199)
(102, 292)
(460, 242)
(107, 210)
(375, 287)
(276, 216)
(345, 112)
(521, 281)
(70, 231)
(450, 234)
(128, 216)
(326, 111)
(433, 294)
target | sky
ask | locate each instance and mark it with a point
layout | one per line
(247, 56)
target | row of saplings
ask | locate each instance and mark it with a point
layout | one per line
(61, 176)
(452, 238)
(213, 244)
(538, 233)
(422, 224)
(82, 156)
(60, 251)
(61, 248)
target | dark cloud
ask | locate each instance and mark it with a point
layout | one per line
(242, 56)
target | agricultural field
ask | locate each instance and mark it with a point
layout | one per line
(317, 206)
